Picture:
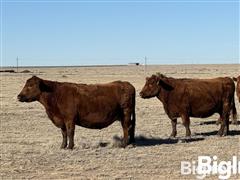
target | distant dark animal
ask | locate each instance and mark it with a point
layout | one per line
(25, 71)
(237, 79)
(8, 71)
(187, 98)
(92, 106)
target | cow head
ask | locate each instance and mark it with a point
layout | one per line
(238, 86)
(32, 90)
(154, 85)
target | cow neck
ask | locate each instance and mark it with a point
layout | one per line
(44, 99)
(163, 95)
(47, 98)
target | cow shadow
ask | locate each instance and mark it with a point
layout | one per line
(214, 133)
(208, 122)
(152, 141)
(214, 122)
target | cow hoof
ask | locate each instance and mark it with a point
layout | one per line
(187, 138)
(63, 146)
(70, 147)
(225, 133)
(133, 145)
(173, 135)
(220, 133)
(234, 122)
(124, 144)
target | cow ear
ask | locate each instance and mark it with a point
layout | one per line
(165, 85)
(235, 79)
(44, 87)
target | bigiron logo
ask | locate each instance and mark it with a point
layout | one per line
(207, 165)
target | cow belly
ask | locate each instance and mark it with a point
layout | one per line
(203, 111)
(97, 120)
(204, 105)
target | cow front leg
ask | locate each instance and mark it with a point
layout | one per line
(126, 125)
(186, 123)
(174, 128)
(70, 134)
(64, 135)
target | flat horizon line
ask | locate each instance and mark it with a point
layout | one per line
(110, 65)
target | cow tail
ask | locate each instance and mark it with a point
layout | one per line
(134, 113)
(234, 112)
(133, 120)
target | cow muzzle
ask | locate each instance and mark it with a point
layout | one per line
(141, 94)
(21, 98)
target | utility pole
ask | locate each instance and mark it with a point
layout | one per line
(17, 63)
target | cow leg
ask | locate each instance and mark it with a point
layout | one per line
(132, 128)
(70, 133)
(219, 120)
(126, 125)
(220, 131)
(226, 124)
(174, 127)
(224, 129)
(186, 123)
(64, 134)
(226, 115)
(234, 113)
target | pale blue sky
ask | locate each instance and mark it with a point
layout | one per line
(87, 33)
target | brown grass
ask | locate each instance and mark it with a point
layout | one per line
(30, 142)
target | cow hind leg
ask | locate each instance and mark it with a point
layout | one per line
(219, 120)
(64, 135)
(234, 113)
(70, 134)
(174, 127)
(132, 128)
(186, 123)
(126, 125)
(226, 124)
(224, 129)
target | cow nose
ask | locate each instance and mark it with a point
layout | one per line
(19, 96)
(141, 94)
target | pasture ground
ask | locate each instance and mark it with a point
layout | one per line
(30, 142)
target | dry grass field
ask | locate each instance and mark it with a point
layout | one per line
(30, 143)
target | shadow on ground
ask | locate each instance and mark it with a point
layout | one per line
(152, 141)
(214, 122)
(214, 133)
